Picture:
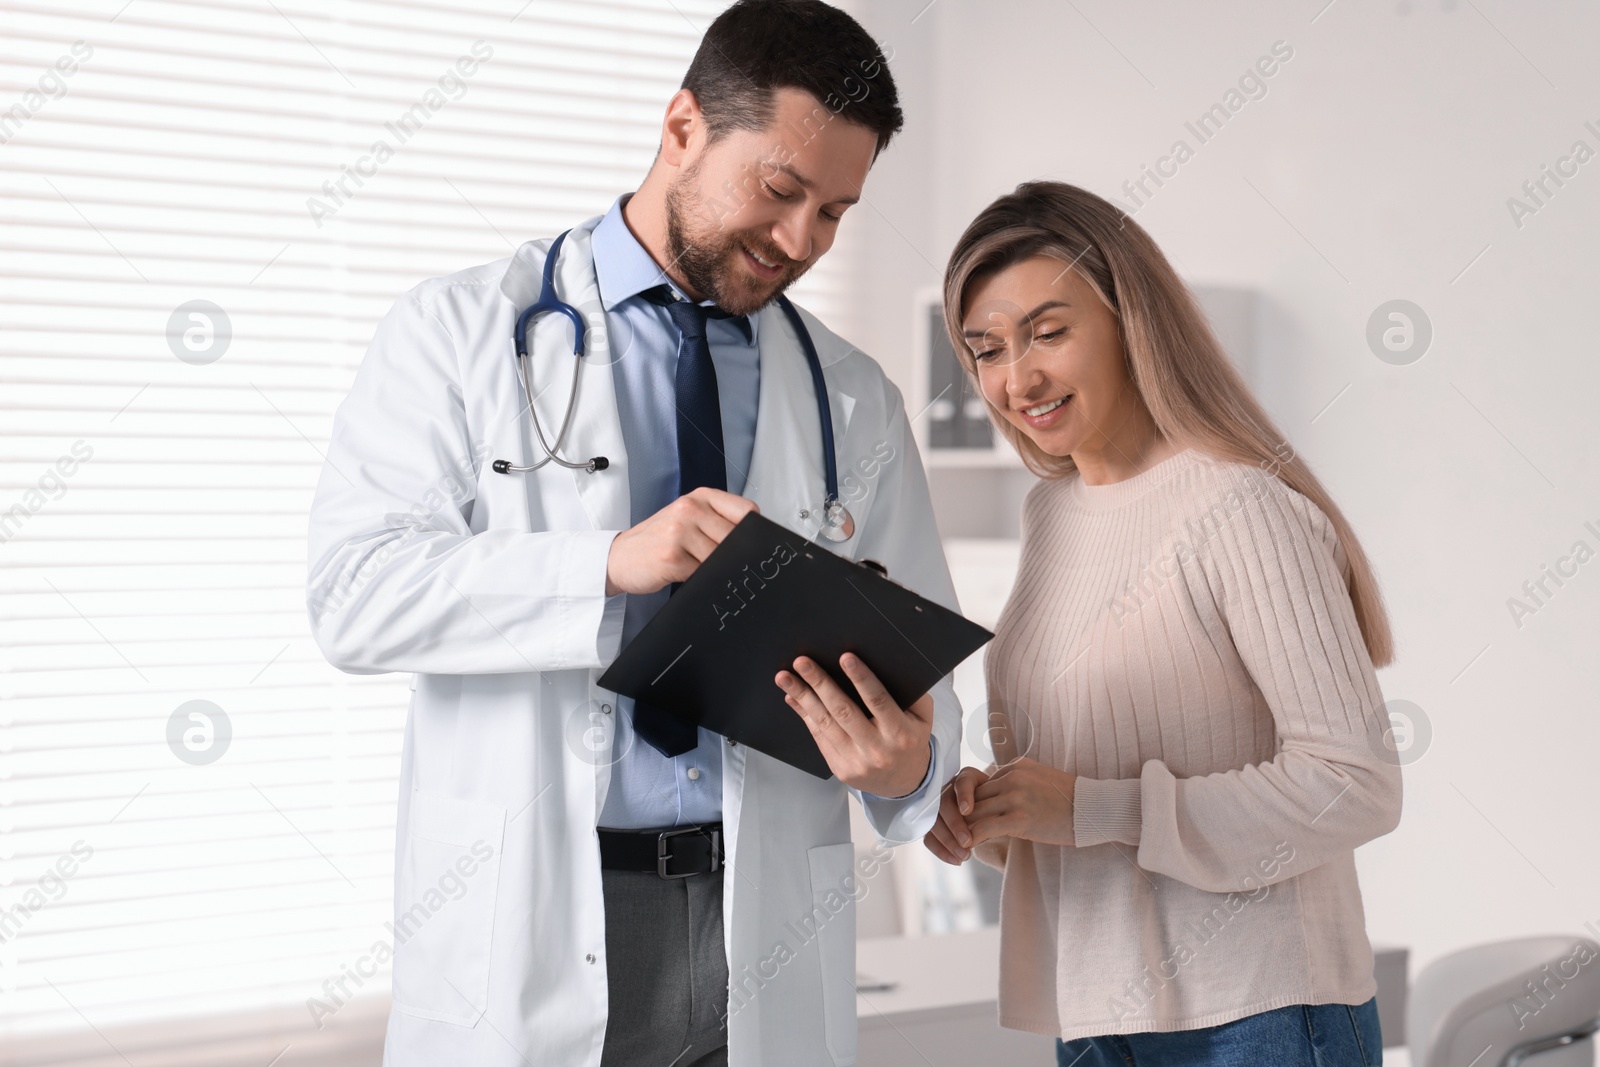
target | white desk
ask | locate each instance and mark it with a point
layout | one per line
(941, 1011)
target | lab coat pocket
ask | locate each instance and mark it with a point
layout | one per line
(449, 870)
(833, 907)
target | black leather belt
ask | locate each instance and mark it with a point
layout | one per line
(671, 852)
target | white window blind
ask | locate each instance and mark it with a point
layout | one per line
(153, 495)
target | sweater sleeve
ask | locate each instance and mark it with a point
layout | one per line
(1275, 573)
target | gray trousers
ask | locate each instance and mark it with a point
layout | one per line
(667, 971)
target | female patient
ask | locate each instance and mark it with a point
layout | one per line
(1193, 738)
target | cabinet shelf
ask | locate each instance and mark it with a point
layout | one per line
(992, 458)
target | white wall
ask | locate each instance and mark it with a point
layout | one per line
(1381, 160)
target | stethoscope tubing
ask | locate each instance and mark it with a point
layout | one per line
(830, 470)
(549, 301)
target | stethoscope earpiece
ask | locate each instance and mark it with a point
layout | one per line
(505, 466)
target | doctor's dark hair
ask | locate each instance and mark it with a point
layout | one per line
(758, 46)
(1183, 374)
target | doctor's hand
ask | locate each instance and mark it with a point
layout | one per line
(670, 544)
(886, 755)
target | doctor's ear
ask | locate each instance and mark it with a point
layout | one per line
(682, 129)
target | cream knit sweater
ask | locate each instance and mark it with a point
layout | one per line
(1184, 642)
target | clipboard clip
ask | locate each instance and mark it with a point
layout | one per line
(879, 569)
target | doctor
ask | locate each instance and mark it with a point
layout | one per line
(579, 880)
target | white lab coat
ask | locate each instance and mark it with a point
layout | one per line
(490, 589)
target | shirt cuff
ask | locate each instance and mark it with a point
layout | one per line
(1106, 810)
(608, 641)
(590, 570)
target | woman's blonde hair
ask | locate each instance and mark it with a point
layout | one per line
(1197, 398)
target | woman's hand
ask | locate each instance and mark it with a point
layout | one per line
(886, 755)
(951, 837)
(1024, 799)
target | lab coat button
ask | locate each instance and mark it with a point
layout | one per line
(694, 774)
(590, 957)
(605, 709)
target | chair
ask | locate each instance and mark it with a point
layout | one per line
(1533, 1000)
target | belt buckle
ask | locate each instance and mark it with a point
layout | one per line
(662, 855)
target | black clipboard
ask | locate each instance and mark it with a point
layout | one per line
(764, 596)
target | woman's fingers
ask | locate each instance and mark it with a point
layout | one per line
(939, 850)
(945, 838)
(995, 816)
(1013, 775)
(951, 816)
(966, 782)
(989, 807)
(1008, 823)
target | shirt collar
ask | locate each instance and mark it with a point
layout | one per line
(624, 269)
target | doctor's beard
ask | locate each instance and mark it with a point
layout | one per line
(708, 256)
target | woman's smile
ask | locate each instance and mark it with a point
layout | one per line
(1042, 416)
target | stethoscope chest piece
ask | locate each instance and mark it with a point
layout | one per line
(837, 522)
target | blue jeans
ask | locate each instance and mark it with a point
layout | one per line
(1301, 1035)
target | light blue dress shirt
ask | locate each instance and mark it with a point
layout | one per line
(647, 788)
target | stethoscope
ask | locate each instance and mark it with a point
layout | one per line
(836, 522)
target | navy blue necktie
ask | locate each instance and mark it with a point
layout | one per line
(700, 458)
(700, 463)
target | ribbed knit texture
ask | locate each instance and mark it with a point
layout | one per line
(1184, 642)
